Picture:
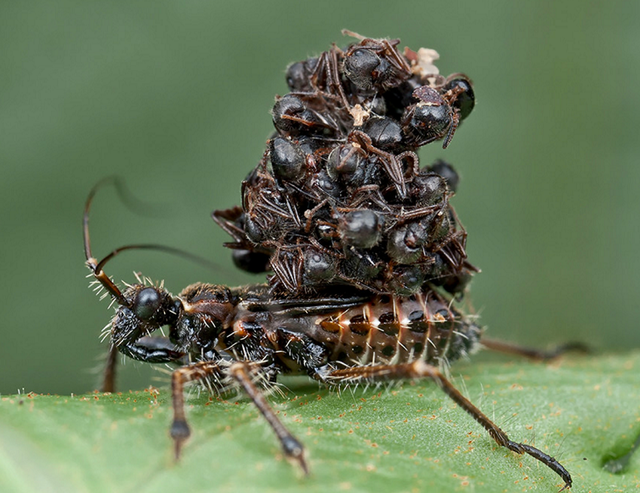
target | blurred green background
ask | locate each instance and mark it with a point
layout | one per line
(174, 97)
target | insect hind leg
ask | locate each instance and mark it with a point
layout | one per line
(420, 369)
(533, 353)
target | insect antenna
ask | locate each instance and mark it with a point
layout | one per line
(92, 263)
(98, 266)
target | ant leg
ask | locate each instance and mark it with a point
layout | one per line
(226, 219)
(333, 76)
(452, 129)
(311, 212)
(109, 375)
(180, 431)
(415, 163)
(420, 369)
(287, 268)
(533, 353)
(389, 162)
(292, 448)
(395, 58)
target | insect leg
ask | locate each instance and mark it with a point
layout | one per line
(198, 371)
(147, 349)
(292, 448)
(420, 369)
(533, 353)
(109, 375)
(390, 163)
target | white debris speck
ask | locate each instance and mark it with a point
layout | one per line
(359, 115)
(425, 66)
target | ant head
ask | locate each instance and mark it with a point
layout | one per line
(429, 118)
(147, 303)
(438, 110)
(364, 68)
(374, 64)
(459, 91)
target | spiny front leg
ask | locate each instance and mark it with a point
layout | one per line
(292, 448)
(420, 369)
(180, 431)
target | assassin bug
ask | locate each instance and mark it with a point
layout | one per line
(245, 334)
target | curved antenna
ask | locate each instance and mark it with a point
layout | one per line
(92, 263)
(162, 248)
(98, 266)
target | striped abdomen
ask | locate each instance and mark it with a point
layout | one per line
(397, 330)
(385, 330)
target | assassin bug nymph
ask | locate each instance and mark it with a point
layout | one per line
(218, 334)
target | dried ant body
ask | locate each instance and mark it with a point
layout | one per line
(339, 198)
(348, 221)
(247, 336)
(285, 226)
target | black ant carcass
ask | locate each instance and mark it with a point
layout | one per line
(366, 253)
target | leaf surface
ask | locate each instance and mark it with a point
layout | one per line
(582, 410)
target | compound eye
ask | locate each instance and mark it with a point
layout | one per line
(147, 303)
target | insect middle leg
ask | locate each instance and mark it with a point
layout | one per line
(292, 448)
(243, 373)
(420, 369)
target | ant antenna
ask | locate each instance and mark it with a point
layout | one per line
(98, 266)
(351, 34)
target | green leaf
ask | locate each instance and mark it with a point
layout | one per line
(584, 411)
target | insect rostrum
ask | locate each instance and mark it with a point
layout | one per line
(366, 253)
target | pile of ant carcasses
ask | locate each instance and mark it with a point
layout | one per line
(339, 197)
